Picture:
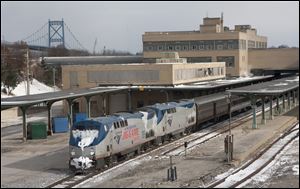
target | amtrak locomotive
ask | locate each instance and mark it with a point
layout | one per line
(97, 142)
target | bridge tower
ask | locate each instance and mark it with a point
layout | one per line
(56, 32)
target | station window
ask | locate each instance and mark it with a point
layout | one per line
(160, 47)
(177, 48)
(185, 47)
(149, 48)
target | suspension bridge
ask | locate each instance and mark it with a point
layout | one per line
(52, 34)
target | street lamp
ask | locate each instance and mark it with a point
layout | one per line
(229, 103)
(228, 142)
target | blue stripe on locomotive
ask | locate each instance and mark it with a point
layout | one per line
(186, 103)
(160, 110)
(98, 123)
(92, 124)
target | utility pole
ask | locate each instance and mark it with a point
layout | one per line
(27, 72)
(53, 69)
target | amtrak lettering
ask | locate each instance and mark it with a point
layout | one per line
(130, 133)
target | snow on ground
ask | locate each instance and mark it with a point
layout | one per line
(36, 87)
(282, 162)
(115, 171)
(194, 143)
(256, 164)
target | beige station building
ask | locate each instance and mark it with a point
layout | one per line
(241, 48)
(168, 71)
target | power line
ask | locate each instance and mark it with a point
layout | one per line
(75, 37)
(24, 39)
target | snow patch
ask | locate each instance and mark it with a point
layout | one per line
(296, 169)
(36, 87)
(82, 162)
(87, 137)
(280, 84)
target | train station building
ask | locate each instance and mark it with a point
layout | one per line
(168, 71)
(241, 48)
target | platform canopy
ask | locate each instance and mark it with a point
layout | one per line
(275, 87)
(29, 100)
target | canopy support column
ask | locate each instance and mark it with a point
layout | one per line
(129, 100)
(271, 107)
(70, 103)
(283, 102)
(253, 104)
(263, 117)
(277, 105)
(50, 129)
(289, 100)
(88, 106)
(24, 108)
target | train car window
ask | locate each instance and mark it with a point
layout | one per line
(115, 126)
(107, 148)
(118, 125)
(126, 123)
(122, 123)
(168, 111)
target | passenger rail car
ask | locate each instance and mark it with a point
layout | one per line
(97, 142)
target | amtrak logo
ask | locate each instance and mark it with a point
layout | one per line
(117, 138)
(170, 121)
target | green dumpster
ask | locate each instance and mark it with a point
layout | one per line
(36, 130)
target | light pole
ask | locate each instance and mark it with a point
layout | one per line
(228, 142)
(229, 99)
(27, 72)
(53, 69)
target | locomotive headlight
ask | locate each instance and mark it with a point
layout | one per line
(92, 153)
(72, 153)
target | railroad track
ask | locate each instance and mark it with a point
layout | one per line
(248, 170)
(73, 179)
(215, 131)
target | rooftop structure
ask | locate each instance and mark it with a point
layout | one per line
(213, 42)
(169, 70)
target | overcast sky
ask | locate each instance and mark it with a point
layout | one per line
(120, 25)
